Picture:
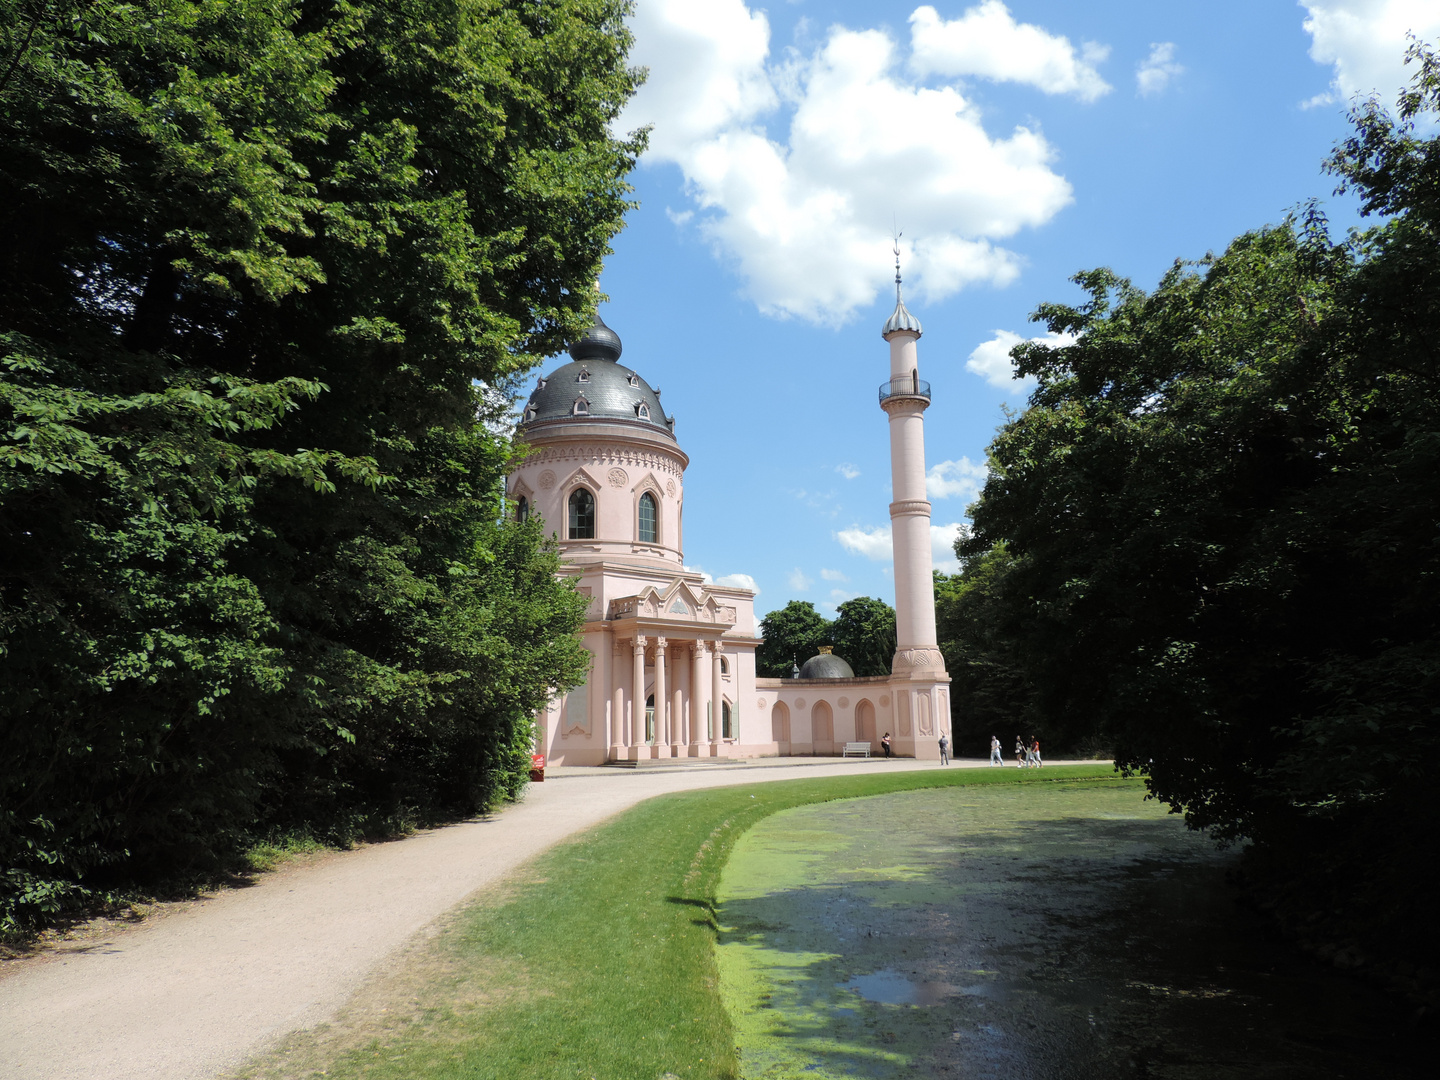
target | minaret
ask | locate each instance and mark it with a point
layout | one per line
(918, 666)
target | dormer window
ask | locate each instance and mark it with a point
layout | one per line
(634, 379)
(584, 375)
(582, 407)
(642, 410)
(540, 385)
(530, 413)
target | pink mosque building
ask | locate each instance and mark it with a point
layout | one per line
(672, 671)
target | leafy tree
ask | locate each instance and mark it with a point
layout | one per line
(1221, 505)
(980, 634)
(258, 258)
(863, 634)
(791, 635)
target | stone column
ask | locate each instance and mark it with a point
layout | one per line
(661, 712)
(697, 699)
(617, 712)
(637, 696)
(717, 702)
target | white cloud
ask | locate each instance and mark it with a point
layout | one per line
(839, 596)
(803, 213)
(704, 577)
(988, 42)
(833, 575)
(942, 546)
(797, 580)
(872, 543)
(947, 479)
(991, 359)
(875, 544)
(848, 471)
(1364, 42)
(738, 581)
(1153, 74)
(707, 71)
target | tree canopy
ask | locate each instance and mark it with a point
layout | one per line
(790, 636)
(990, 693)
(261, 261)
(1218, 519)
(862, 634)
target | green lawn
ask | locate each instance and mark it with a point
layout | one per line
(597, 961)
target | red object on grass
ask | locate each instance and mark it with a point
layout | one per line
(537, 768)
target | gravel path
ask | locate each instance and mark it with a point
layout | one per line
(196, 993)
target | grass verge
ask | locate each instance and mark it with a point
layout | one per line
(598, 960)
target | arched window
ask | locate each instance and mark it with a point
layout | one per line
(642, 411)
(727, 721)
(581, 407)
(647, 518)
(584, 375)
(582, 515)
(724, 666)
(522, 509)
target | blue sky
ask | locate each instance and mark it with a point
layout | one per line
(1013, 143)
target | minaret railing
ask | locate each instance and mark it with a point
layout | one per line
(904, 386)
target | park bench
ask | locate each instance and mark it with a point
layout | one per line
(859, 749)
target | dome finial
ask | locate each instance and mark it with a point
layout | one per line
(897, 267)
(900, 318)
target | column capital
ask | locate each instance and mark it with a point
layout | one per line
(639, 643)
(661, 643)
(699, 648)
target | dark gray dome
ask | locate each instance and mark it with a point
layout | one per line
(594, 387)
(826, 666)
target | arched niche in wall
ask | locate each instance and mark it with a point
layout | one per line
(865, 722)
(822, 726)
(780, 725)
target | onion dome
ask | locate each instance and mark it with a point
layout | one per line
(900, 319)
(597, 343)
(826, 666)
(593, 387)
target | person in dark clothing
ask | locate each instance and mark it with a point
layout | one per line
(944, 750)
(885, 744)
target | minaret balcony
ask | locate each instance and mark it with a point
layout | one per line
(906, 386)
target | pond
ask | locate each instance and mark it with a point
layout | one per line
(1046, 930)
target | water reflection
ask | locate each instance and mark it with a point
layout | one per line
(892, 988)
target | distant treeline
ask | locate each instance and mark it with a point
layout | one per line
(259, 263)
(1211, 543)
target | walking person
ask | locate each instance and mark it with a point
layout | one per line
(1035, 750)
(995, 751)
(944, 750)
(885, 743)
(1019, 752)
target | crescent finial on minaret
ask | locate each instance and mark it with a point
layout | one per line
(900, 319)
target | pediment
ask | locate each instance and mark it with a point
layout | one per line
(584, 477)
